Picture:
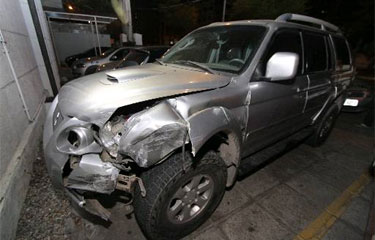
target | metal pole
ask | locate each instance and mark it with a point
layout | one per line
(224, 8)
(37, 19)
(130, 22)
(53, 41)
(97, 35)
(27, 111)
(128, 27)
(93, 38)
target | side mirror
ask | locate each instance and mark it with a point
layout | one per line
(113, 58)
(282, 66)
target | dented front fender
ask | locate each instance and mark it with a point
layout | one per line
(152, 134)
(206, 123)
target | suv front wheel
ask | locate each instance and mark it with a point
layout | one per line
(178, 201)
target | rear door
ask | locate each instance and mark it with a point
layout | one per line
(319, 70)
(343, 67)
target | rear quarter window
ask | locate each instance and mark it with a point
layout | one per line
(342, 54)
(316, 56)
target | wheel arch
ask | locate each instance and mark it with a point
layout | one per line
(217, 128)
(334, 100)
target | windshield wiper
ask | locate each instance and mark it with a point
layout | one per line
(160, 62)
(195, 64)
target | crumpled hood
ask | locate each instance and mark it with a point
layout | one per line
(95, 97)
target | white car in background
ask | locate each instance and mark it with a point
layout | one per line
(137, 56)
(89, 65)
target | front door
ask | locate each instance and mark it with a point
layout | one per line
(276, 108)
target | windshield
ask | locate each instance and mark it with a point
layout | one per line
(106, 53)
(223, 48)
(136, 56)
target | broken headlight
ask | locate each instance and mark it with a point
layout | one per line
(111, 133)
(77, 140)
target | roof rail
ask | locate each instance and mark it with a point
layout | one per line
(302, 18)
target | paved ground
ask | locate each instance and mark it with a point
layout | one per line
(277, 202)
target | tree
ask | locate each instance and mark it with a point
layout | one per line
(355, 19)
(178, 18)
(261, 9)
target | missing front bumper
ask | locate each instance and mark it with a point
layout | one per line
(90, 173)
(92, 206)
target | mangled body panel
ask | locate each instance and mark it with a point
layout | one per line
(206, 123)
(93, 174)
(151, 135)
(145, 136)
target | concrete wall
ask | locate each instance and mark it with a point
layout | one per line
(19, 134)
(68, 44)
(74, 38)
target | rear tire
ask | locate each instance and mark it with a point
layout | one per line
(324, 127)
(177, 202)
(91, 70)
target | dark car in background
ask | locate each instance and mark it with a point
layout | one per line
(138, 56)
(86, 66)
(92, 52)
(357, 99)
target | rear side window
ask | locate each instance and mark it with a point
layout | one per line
(120, 54)
(286, 41)
(316, 58)
(342, 54)
(136, 56)
(156, 53)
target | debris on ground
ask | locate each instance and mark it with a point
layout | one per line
(46, 213)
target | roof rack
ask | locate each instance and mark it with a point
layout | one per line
(302, 18)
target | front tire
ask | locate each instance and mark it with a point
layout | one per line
(178, 201)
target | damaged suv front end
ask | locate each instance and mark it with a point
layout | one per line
(94, 136)
(175, 133)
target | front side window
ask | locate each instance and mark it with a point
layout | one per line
(223, 48)
(156, 53)
(342, 54)
(108, 52)
(286, 41)
(120, 54)
(316, 57)
(136, 56)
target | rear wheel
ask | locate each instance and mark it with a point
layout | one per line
(324, 127)
(91, 70)
(178, 201)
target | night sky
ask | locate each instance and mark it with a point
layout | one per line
(161, 21)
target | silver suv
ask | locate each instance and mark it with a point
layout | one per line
(175, 133)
